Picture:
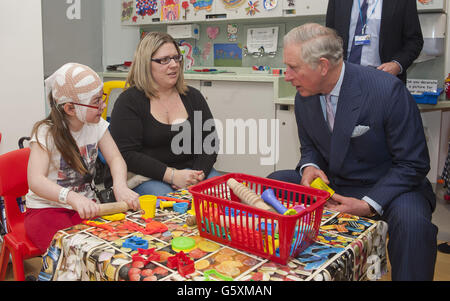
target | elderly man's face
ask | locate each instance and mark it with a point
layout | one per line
(305, 79)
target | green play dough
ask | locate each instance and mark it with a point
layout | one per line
(183, 243)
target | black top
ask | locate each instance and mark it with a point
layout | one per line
(146, 144)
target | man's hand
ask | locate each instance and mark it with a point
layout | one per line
(390, 67)
(348, 205)
(310, 173)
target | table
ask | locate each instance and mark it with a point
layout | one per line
(347, 248)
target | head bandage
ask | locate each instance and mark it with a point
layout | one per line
(74, 83)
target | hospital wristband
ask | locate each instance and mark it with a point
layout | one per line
(62, 198)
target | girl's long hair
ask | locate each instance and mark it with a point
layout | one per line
(58, 125)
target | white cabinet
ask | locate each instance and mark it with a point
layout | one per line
(245, 118)
(289, 144)
(431, 5)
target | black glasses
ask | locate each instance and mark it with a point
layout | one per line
(166, 60)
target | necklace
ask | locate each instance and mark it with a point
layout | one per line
(166, 110)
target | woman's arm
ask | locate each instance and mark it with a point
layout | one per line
(118, 169)
(39, 183)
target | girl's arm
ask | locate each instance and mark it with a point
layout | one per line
(118, 169)
(39, 183)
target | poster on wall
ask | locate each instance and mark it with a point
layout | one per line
(269, 4)
(227, 55)
(170, 10)
(266, 37)
(127, 10)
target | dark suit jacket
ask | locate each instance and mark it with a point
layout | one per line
(390, 159)
(400, 33)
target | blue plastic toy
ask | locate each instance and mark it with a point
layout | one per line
(135, 243)
(269, 197)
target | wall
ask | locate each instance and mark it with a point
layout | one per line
(21, 54)
(119, 42)
(72, 35)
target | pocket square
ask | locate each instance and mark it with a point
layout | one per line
(359, 130)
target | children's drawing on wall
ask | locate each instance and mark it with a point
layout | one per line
(170, 10)
(146, 7)
(185, 6)
(127, 10)
(232, 30)
(230, 4)
(252, 8)
(212, 32)
(206, 50)
(186, 51)
(229, 55)
(269, 4)
(202, 4)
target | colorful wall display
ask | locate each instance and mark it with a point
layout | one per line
(202, 4)
(127, 10)
(252, 8)
(146, 7)
(170, 10)
(229, 55)
(230, 4)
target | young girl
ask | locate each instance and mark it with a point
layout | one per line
(60, 193)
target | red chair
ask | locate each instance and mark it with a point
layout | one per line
(13, 185)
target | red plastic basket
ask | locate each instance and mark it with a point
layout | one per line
(222, 217)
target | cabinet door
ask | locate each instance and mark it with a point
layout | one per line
(289, 150)
(193, 83)
(241, 111)
(430, 5)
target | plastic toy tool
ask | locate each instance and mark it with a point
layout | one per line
(318, 183)
(247, 195)
(269, 197)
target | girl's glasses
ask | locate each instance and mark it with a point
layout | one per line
(96, 105)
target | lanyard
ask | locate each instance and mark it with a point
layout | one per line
(363, 30)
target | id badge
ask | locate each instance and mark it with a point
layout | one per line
(362, 39)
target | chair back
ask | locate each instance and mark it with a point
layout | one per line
(13, 185)
(107, 88)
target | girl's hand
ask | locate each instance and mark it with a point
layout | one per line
(125, 194)
(85, 207)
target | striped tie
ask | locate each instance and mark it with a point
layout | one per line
(330, 115)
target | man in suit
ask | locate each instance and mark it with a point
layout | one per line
(360, 131)
(392, 27)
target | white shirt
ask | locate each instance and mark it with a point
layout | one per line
(370, 55)
(59, 172)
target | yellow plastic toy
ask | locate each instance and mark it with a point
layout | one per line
(165, 204)
(107, 87)
(318, 183)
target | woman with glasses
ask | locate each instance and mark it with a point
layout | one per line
(163, 128)
(64, 148)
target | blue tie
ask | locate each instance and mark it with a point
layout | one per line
(355, 51)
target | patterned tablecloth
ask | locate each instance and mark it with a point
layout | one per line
(347, 248)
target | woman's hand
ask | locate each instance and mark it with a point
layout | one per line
(125, 194)
(85, 207)
(186, 177)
